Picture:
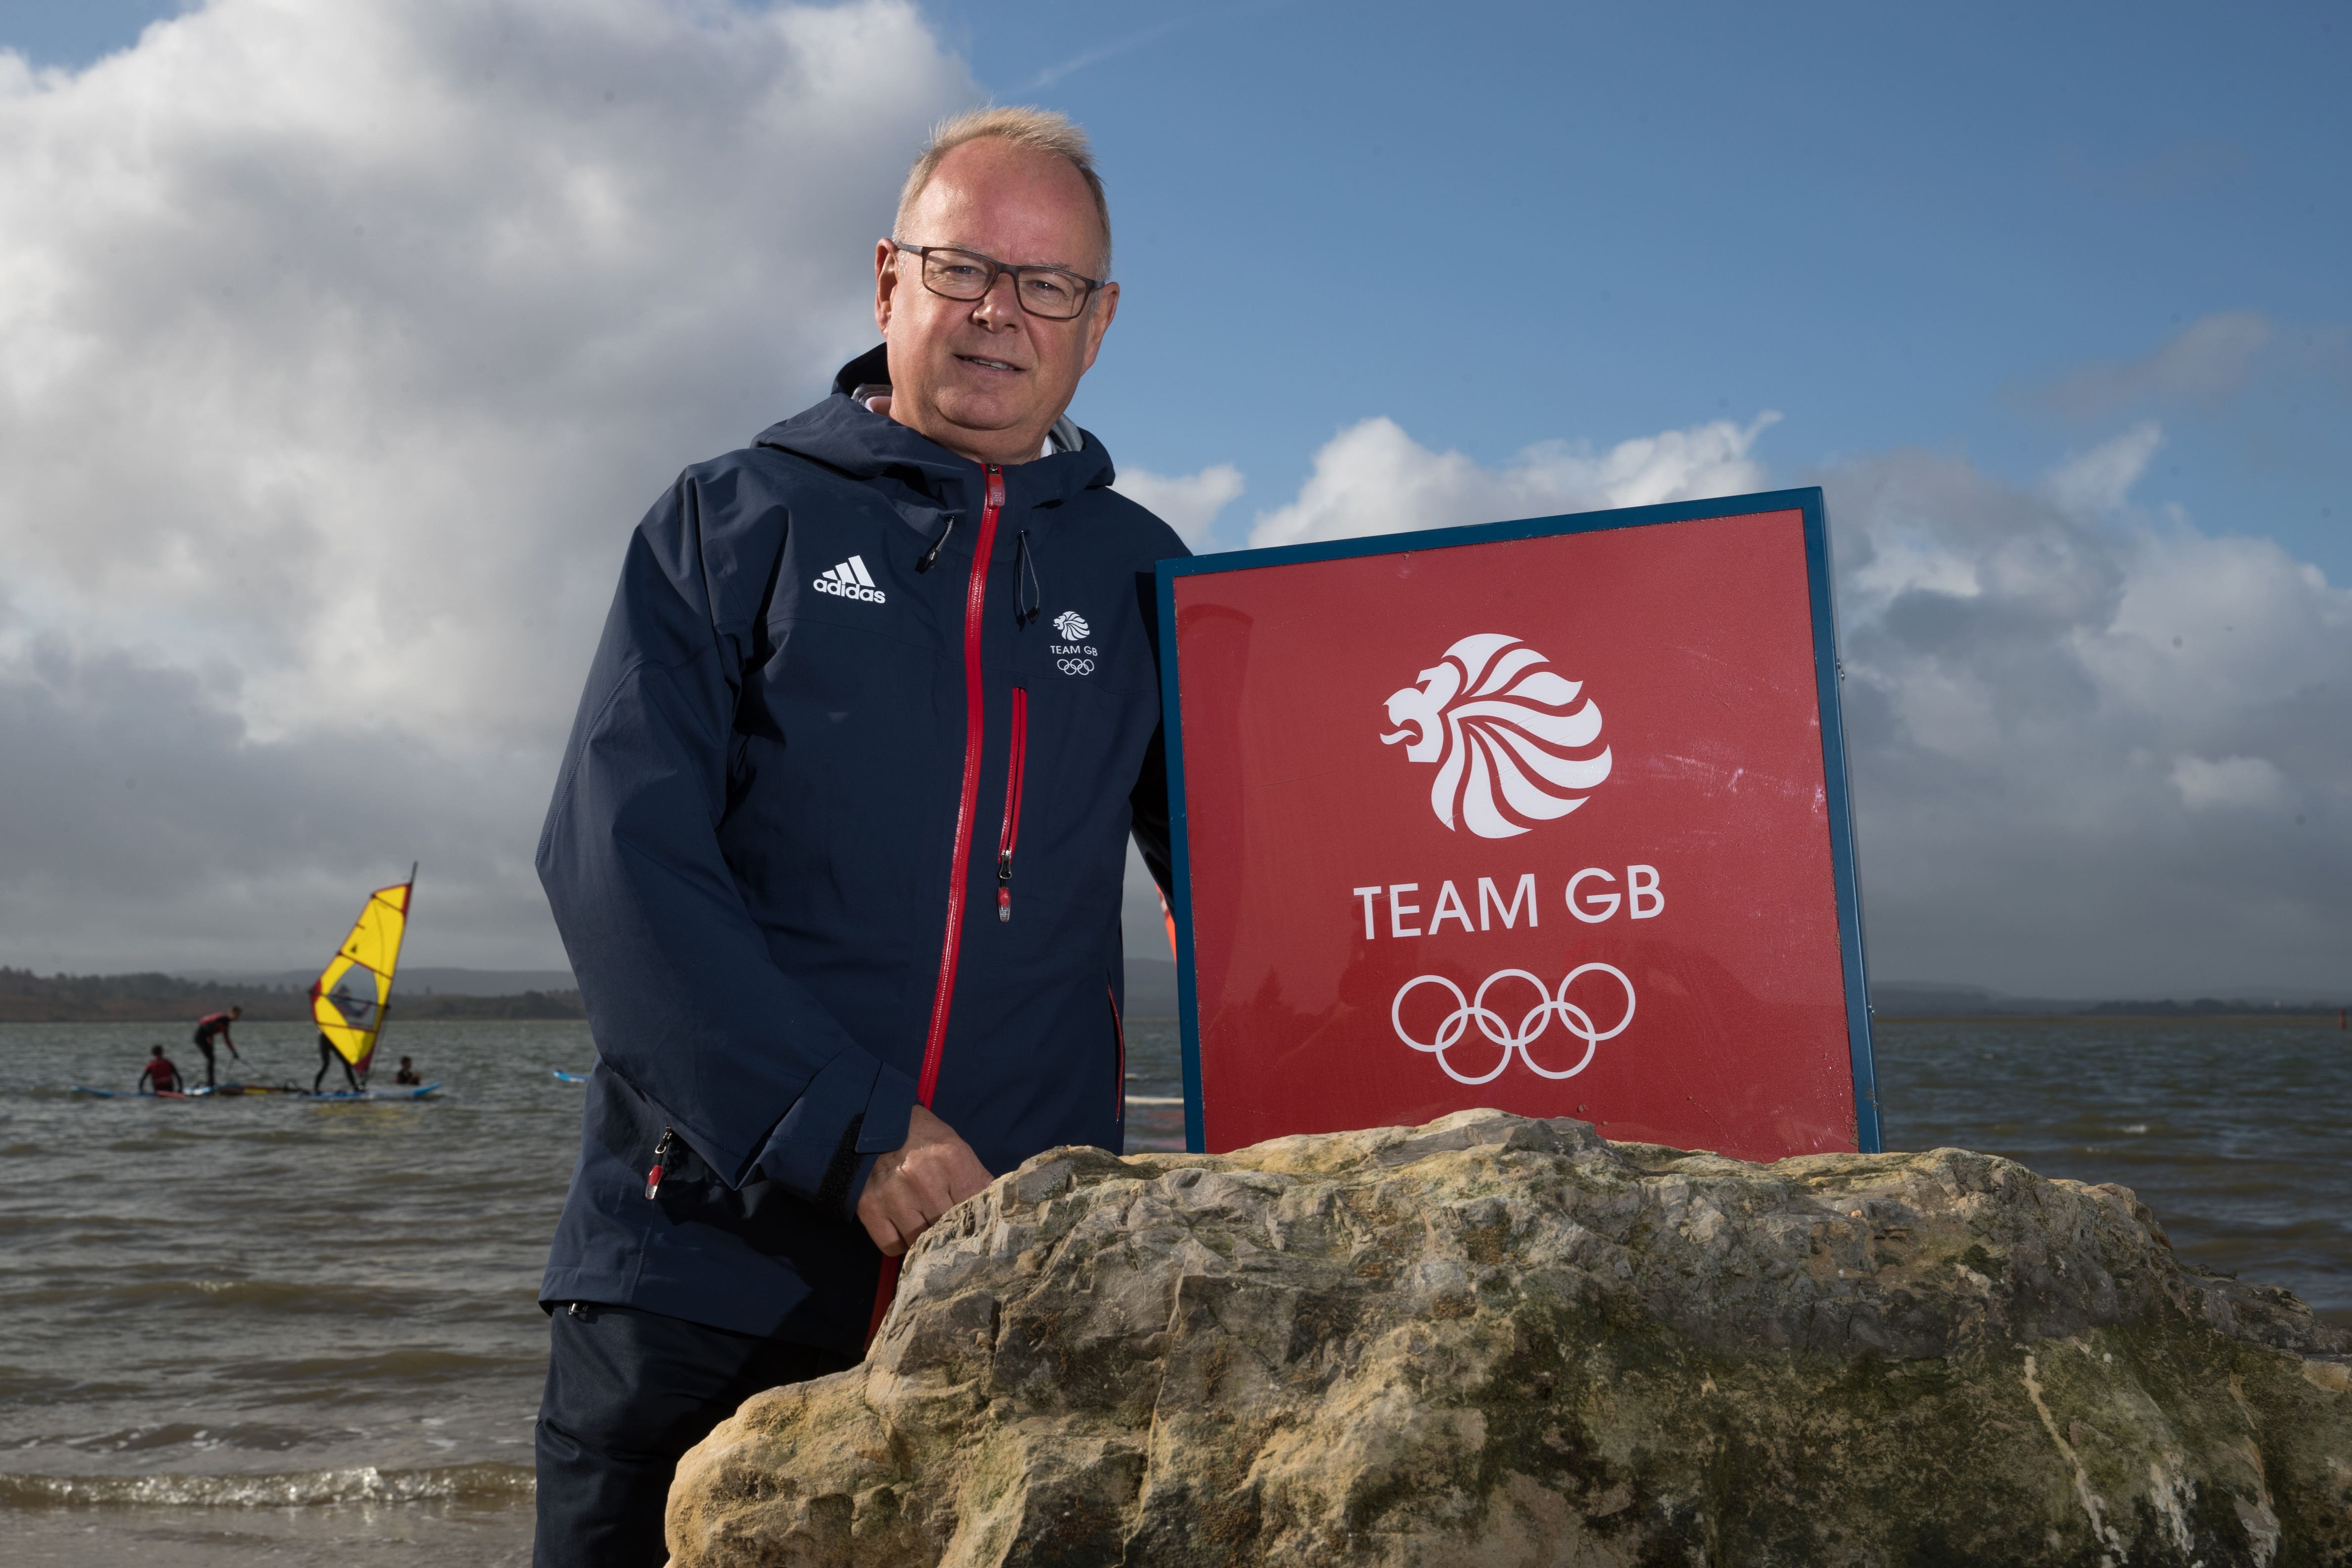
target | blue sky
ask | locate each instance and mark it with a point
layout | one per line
(1896, 225)
(416, 303)
(1499, 224)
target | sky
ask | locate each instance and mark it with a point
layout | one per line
(341, 346)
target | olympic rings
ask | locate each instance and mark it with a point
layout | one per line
(1077, 666)
(1491, 1024)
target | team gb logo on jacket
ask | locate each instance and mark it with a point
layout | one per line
(1512, 743)
(1074, 655)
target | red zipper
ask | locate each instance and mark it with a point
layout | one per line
(935, 1040)
(1118, 1083)
(1008, 837)
(975, 600)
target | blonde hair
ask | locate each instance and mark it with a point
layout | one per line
(1038, 130)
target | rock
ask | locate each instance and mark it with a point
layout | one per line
(1497, 1341)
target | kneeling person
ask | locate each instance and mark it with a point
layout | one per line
(159, 1076)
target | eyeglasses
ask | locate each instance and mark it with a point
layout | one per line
(1052, 292)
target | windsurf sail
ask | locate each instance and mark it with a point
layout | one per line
(353, 993)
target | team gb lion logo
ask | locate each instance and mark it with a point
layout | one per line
(1511, 741)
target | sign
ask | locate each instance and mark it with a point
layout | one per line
(1547, 816)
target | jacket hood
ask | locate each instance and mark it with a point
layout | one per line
(845, 434)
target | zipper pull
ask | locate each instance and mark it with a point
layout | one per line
(1003, 886)
(930, 556)
(661, 1162)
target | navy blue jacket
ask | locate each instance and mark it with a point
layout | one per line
(777, 850)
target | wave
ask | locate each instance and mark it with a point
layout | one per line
(295, 1489)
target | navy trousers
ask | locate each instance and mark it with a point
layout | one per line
(628, 1392)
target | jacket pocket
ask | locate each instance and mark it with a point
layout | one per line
(1008, 837)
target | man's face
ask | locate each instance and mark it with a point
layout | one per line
(983, 377)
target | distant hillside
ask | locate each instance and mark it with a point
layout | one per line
(416, 980)
(1150, 988)
(28, 997)
(1897, 998)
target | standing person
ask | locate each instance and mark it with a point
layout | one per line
(328, 1057)
(837, 842)
(213, 1026)
(160, 1073)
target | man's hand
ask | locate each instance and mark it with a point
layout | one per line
(916, 1182)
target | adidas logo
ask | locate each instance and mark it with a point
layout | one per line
(850, 580)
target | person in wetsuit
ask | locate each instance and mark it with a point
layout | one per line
(160, 1073)
(408, 1074)
(214, 1026)
(328, 1057)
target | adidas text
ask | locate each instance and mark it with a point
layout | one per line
(850, 580)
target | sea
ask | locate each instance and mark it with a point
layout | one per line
(270, 1329)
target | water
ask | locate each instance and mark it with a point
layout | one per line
(267, 1330)
(2233, 1132)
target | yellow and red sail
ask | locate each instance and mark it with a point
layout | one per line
(353, 993)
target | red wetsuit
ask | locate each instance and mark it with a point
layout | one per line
(165, 1077)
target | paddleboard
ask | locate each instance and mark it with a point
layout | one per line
(202, 1092)
(417, 1093)
(563, 1077)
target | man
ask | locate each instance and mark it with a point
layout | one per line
(837, 842)
(328, 1057)
(408, 1077)
(213, 1026)
(159, 1076)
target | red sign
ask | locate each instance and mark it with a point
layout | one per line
(1549, 817)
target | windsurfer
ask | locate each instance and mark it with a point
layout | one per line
(159, 1073)
(408, 1074)
(214, 1026)
(328, 1057)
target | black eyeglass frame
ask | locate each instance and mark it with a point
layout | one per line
(923, 253)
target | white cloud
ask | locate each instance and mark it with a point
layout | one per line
(2249, 782)
(341, 346)
(2089, 759)
(1373, 478)
(2098, 481)
(1188, 502)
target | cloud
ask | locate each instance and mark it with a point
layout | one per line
(147, 820)
(2089, 757)
(1189, 503)
(1102, 52)
(2251, 783)
(2096, 482)
(2202, 363)
(339, 348)
(1373, 478)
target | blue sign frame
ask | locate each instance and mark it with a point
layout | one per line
(1827, 675)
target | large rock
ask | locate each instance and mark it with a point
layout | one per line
(1499, 1341)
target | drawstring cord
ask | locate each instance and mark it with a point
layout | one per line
(931, 556)
(1028, 598)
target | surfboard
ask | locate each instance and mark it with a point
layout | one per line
(202, 1092)
(419, 1092)
(563, 1077)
